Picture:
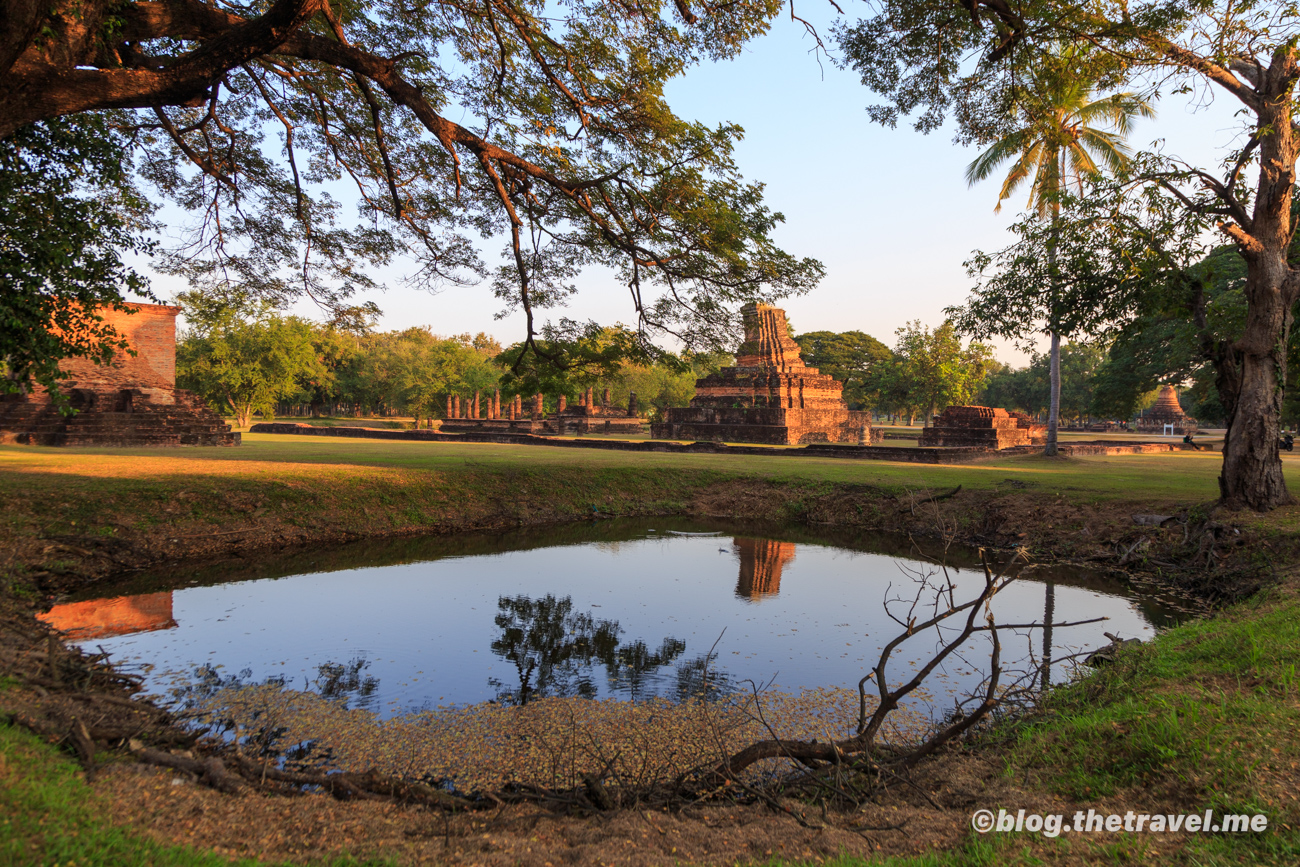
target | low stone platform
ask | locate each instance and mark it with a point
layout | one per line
(982, 426)
(130, 419)
(820, 450)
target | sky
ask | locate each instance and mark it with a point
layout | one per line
(887, 211)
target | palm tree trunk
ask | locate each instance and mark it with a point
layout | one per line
(1054, 407)
(1054, 361)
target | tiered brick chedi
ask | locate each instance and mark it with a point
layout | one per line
(770, 396)
(133, 401)
(1167, 411)
(982, 426)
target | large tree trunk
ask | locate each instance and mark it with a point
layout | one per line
(1252, 466)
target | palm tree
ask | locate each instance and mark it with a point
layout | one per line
(1059, 147)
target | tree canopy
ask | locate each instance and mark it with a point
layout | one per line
(973, 60)
(69, 213)
(854, 358)
(313, 141)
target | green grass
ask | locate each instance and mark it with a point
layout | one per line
(1178, 475)
(50, 817)
(1204, 717)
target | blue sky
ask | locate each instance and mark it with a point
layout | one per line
(887, 211)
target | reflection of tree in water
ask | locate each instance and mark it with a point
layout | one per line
(259, 729)
(701, 678)
(555, 649)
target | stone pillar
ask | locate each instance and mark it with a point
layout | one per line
(449, 415)
(582, 398)
(455, 407)
(591, 397)
(475, 405)
(864, 435)
(538, 412)
(518, 405)
(631, 405)
(604, 398)
(564, 402)
(496, 404)
(510, 412)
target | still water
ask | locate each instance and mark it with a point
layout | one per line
(621, 609)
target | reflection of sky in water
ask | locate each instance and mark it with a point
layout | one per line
(813, 617)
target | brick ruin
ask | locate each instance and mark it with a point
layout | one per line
(761, 563)
(106, 618)
(1166, 411)
(132, 401)
(770, 396)
(982, 426)
(586, 417)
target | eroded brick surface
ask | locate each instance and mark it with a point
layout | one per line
(982, 426)
(132, 401)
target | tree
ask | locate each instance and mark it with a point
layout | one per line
(68, 213)
(1056, 145)
(854, 358)
(936, 57)
(243, 363)
(935, 370)
(248, 113)
(414, 370)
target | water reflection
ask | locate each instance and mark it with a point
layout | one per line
(108, 618)
(625, 609)
(761, 562)
(555, 650)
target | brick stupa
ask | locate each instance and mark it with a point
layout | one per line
(982, 426)
(1167, 411)
(770, 396)
(132, 401)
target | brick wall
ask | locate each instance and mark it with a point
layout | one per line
(151, 331)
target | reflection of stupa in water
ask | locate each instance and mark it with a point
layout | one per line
(105, 618)
(761, 562)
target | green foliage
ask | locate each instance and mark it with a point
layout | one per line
(1054, 141)
(244, 362)
(547, 132)
(414, 371)
(932, 370)
(1028, 389)
(573, 359)
(858, 360)
(68, 214)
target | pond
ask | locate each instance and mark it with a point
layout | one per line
(625, 609)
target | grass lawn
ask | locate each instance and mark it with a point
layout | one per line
(1178, 475)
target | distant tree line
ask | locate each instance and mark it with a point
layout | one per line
(250, 359)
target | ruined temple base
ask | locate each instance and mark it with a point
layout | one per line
(982, 427)
(128, 417)
(564, 426)
(132, 401)
(491, 425)
(768, 425)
